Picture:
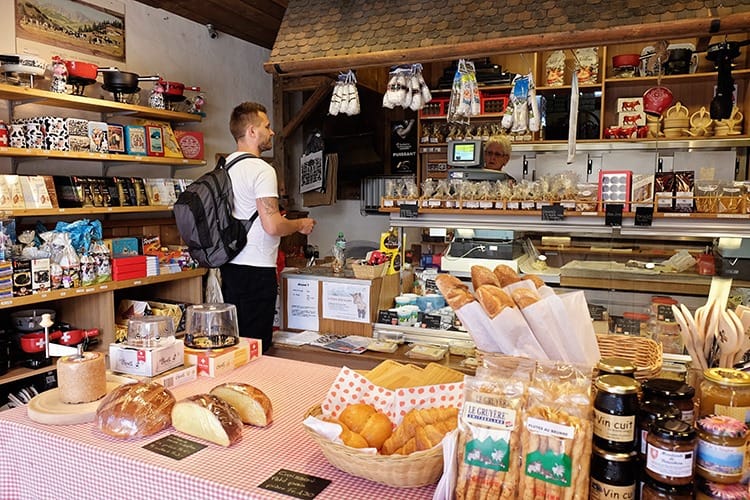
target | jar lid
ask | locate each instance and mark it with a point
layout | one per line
(617, 384)
(735, 491)
(668, 388)
(654, 410)
(727, 376)
(636, 316)
(673, 429)
(614, 456)
(663, 299)
(614, 365)
(721, 425)
(669, 489)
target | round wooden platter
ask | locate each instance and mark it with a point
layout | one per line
(46, 408)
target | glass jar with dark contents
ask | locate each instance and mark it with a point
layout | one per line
(615, 408)
(654, 490)
(613, 475)
(670, 452)
(650, 412)
(613, 365)
(676, 392)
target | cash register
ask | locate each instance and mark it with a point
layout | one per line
(466, 162)
(484, 247)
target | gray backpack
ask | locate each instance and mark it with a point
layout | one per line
(203, 215)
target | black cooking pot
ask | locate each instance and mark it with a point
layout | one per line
(123, 81)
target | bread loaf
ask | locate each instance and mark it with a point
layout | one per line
(375, 427)
(493, 299)
(135, 410)
(538, 282)
(506, 275)
(480, 275)
(456, 293)
(421, 430)
(524, 297)
(207, 417)
(251, 403)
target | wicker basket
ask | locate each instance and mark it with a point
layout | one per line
(644, 353)
(401, 471)
(365, 272)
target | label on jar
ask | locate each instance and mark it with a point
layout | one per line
(614, 427)
(644, 436)
(669, 463)
(721, 461)
(604, 491)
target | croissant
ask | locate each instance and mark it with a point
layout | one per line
(420, 430)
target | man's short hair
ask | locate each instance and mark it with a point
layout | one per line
(243, 116)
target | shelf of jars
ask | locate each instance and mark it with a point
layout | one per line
(28, 95)
(87, 210)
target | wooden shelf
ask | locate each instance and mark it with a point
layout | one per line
(20, 373)
(44, 154)
(27, 95)
(97, 288)
(44, 212)
(667, 79)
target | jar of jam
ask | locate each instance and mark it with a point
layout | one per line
(650, 412)
(616, 366)
(670, 452)
(615, 408)
(654, 490)
(676, 392)
(720, 456)
(613, 475)
(726, 391)
(707, 490)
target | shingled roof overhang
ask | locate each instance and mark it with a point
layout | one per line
(318, 36)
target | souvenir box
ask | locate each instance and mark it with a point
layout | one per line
(191, 144)
(116, 138)
(135, 140)
(98, 136)
(154, 141)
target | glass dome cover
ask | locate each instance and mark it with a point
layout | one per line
(150, 331)
(211, 326)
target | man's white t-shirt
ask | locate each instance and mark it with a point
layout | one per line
(253, 178)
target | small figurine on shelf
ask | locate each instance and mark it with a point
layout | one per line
(59, 75)
(156, 99)
(196, 104)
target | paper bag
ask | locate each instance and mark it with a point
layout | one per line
(513, 335)
(582, 347)
(548, 319)
(477, 323)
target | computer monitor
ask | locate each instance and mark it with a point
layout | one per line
(467, 153)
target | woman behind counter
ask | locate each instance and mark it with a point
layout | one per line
(497, 151)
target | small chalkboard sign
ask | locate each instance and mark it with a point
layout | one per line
(173, 446)
(613, 214)
(409, 210)
(388, 317)
(644, 216)
(431, 321)
(553, 212)
(295, 484)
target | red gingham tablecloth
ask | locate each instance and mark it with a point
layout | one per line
(40, 461)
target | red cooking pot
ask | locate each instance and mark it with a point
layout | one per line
(175, 89)
(81, 70)
(625, 60)
(34, 342)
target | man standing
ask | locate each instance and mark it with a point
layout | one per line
(249, 280)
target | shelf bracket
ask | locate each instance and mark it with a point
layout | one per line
(525, 167)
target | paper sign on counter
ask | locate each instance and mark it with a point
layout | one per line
(302, 304)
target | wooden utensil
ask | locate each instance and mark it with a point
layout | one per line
(688, 337)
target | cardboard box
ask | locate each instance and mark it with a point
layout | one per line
(135, 139)
(172, 378)
(191, 144)
(125, 246)
(116, 136)
(215, 362)
(40, 275)
(147, 361)
(154, 141)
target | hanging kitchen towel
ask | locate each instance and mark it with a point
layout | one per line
(573, 122)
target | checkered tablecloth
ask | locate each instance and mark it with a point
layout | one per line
(63, 462)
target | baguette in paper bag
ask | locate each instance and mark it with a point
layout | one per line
(493, 299)
(453, 289)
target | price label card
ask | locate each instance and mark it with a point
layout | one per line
(173, 446)
(295, 484)
(409, 210)
(387, 317)
(644, 216)
(613, 214)
(554, 212)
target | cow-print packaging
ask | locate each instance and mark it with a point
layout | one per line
(57, 133)
(17, 135)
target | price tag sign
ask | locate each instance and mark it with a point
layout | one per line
(553, 212)
(387, 317)
(295, 484)
(409, 210)
(644, 216)
(173, 446)
(430, 321)
(613, 214)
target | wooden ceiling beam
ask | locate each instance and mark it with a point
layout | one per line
(308, 107)
(732, 23)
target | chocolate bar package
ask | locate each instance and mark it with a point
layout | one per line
(664, 191)
(684, 187)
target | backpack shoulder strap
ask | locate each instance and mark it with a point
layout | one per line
(248, 223)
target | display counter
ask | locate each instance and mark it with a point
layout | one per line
(78, 461)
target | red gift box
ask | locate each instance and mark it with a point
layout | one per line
(191, 143)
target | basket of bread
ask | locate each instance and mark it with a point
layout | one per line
(392, 436)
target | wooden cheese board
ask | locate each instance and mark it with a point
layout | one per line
(47, 408)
